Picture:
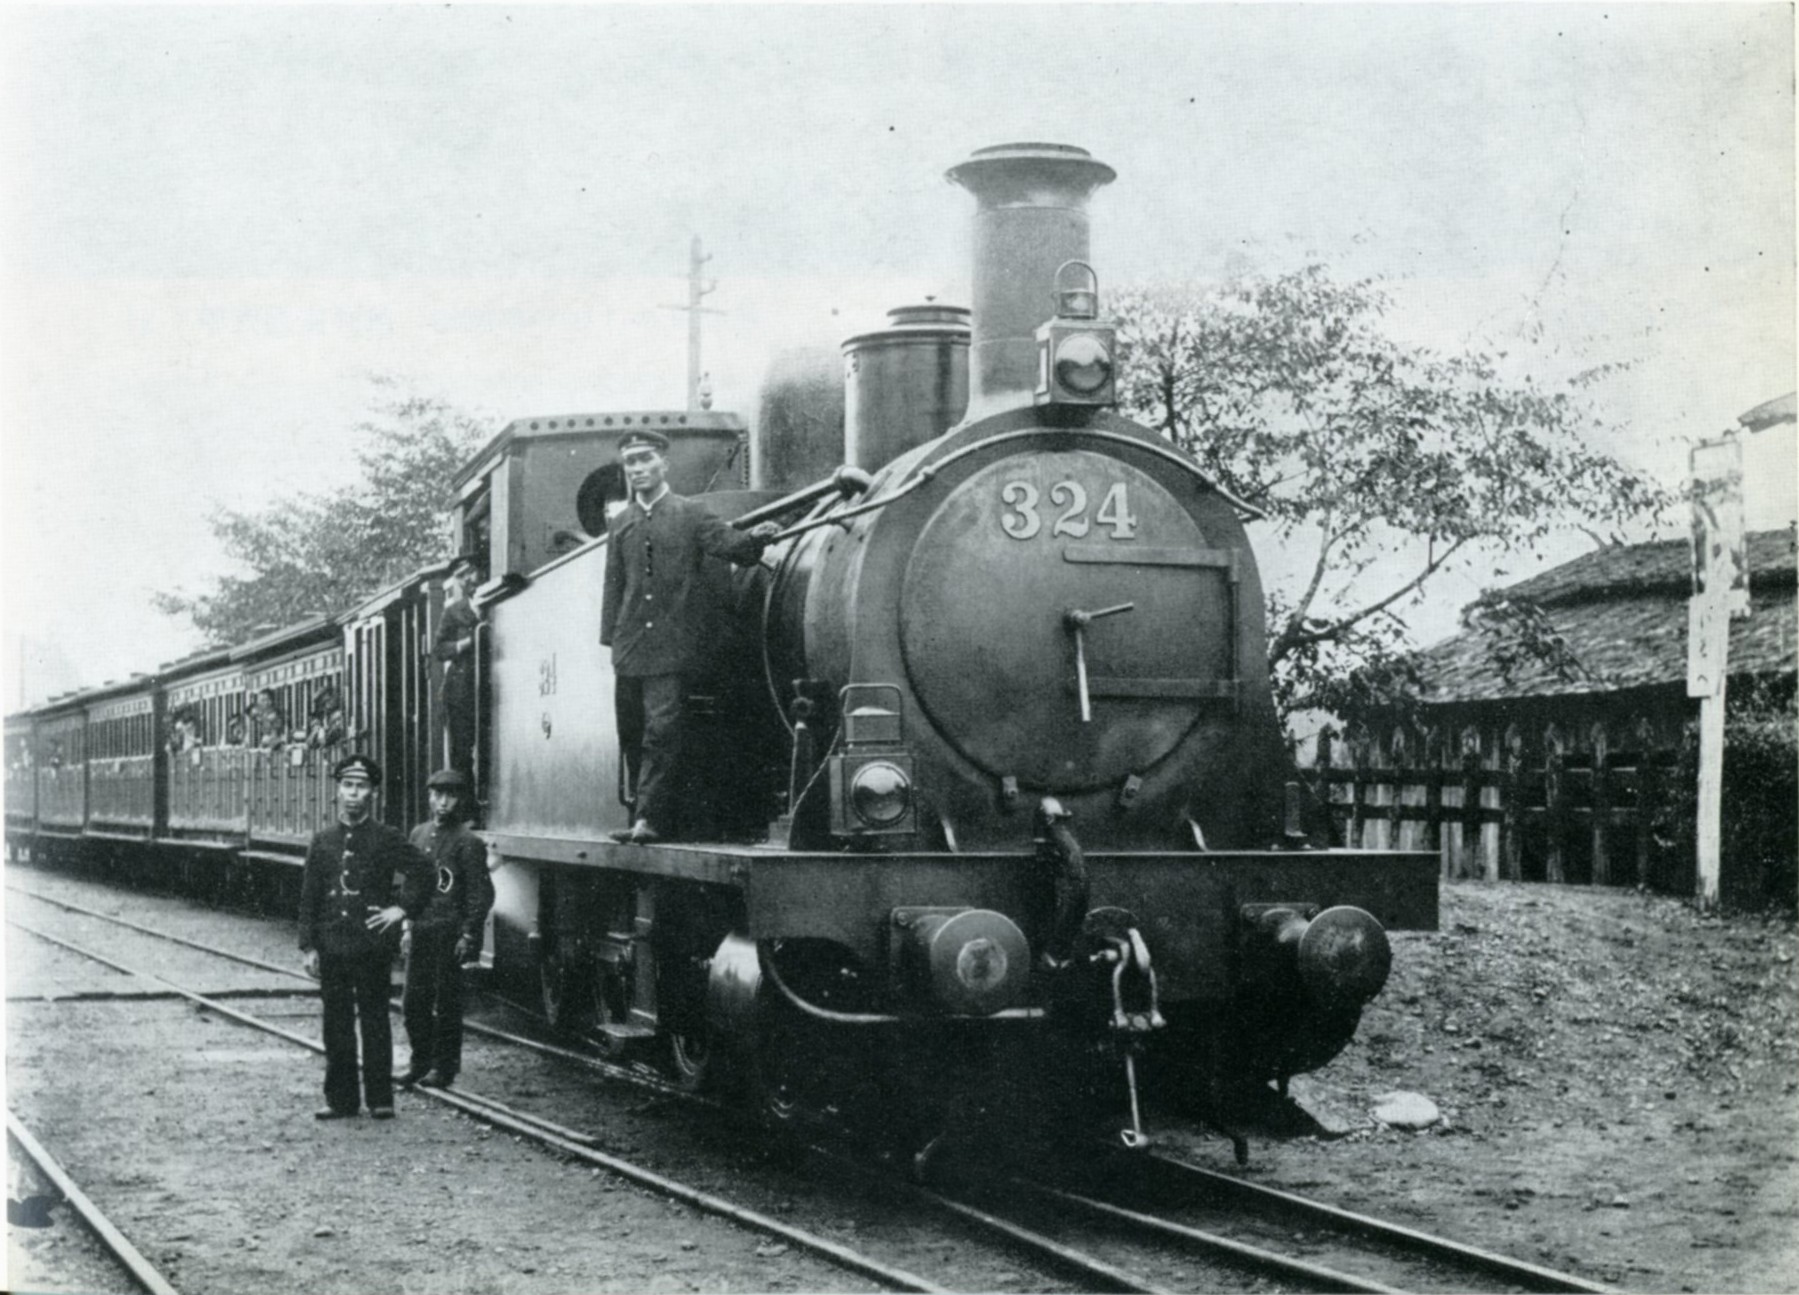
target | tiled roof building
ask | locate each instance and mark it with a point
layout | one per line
(1573, 760)
(1621, 613)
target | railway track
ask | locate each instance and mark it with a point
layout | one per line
(1245, 1197)
(1295, 1241)
(552, 1137)
(1223, 1221)
(1089, 1271)
(639, 1075)
(113, 1241)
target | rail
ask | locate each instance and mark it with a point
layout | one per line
(115, 1241)
(494, 1112)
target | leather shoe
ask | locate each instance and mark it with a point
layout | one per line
(332, 1113)
(437, 1079)
(411, 1078)
(381, 1112)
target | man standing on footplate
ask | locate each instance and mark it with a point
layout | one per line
(349, 906)
(653, 616)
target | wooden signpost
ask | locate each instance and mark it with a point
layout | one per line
(1720, 595)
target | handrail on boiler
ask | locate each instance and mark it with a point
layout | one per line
(844, 481)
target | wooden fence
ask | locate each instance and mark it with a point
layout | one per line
(1554, 803)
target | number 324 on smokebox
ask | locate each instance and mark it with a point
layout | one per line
(1021, 518)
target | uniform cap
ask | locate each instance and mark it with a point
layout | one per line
(447, 780)
(357, 766)
(655, 440)
(464, 562)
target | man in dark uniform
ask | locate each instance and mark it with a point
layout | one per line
(454, 645)
(448, 935)
(348, 906)
(653, 617)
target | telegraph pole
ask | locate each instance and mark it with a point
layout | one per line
(699, 396)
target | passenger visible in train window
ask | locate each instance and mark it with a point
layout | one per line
(267, 722)
(184, 730)
(235, 730)
(454, 645)
(325, 726)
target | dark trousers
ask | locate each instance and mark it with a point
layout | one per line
(433, 1001)
(354, 989)
(652, 728)
(459, 718)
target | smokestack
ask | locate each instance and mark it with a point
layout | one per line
(1031, 217)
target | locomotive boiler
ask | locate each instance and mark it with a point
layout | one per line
(988, 779)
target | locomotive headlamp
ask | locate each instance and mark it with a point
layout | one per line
(871, 779)
(1083, 364)
(1074, 350)
(880, 794)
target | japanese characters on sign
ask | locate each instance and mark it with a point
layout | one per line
(1720, 563)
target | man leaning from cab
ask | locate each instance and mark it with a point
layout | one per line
(653, 617)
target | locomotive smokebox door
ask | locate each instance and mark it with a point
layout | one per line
(1065, 621)
(872, 791)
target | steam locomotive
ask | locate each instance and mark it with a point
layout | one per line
(986, 778)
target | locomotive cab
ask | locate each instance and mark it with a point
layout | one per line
(541, 487)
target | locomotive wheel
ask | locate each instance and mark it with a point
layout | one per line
(552, 988)
(800, 1072)
(781, 1072)
(560, 991)
(693, 1055)
(690, 1057)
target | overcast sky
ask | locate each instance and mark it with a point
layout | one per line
(219, 222)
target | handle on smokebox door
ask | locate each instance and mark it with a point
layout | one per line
(1076, 620)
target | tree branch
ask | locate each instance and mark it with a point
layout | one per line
(1336, 627)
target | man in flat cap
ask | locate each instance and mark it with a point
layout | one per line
(349, 909)
(653, 617)
(447, 936)
(454, 645)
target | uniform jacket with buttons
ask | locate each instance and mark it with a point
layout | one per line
(455, 643)
(352, 873)
(463, 890)
(656, 608)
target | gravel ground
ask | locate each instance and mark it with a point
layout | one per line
(1618, 1079)
(1616, 1076)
